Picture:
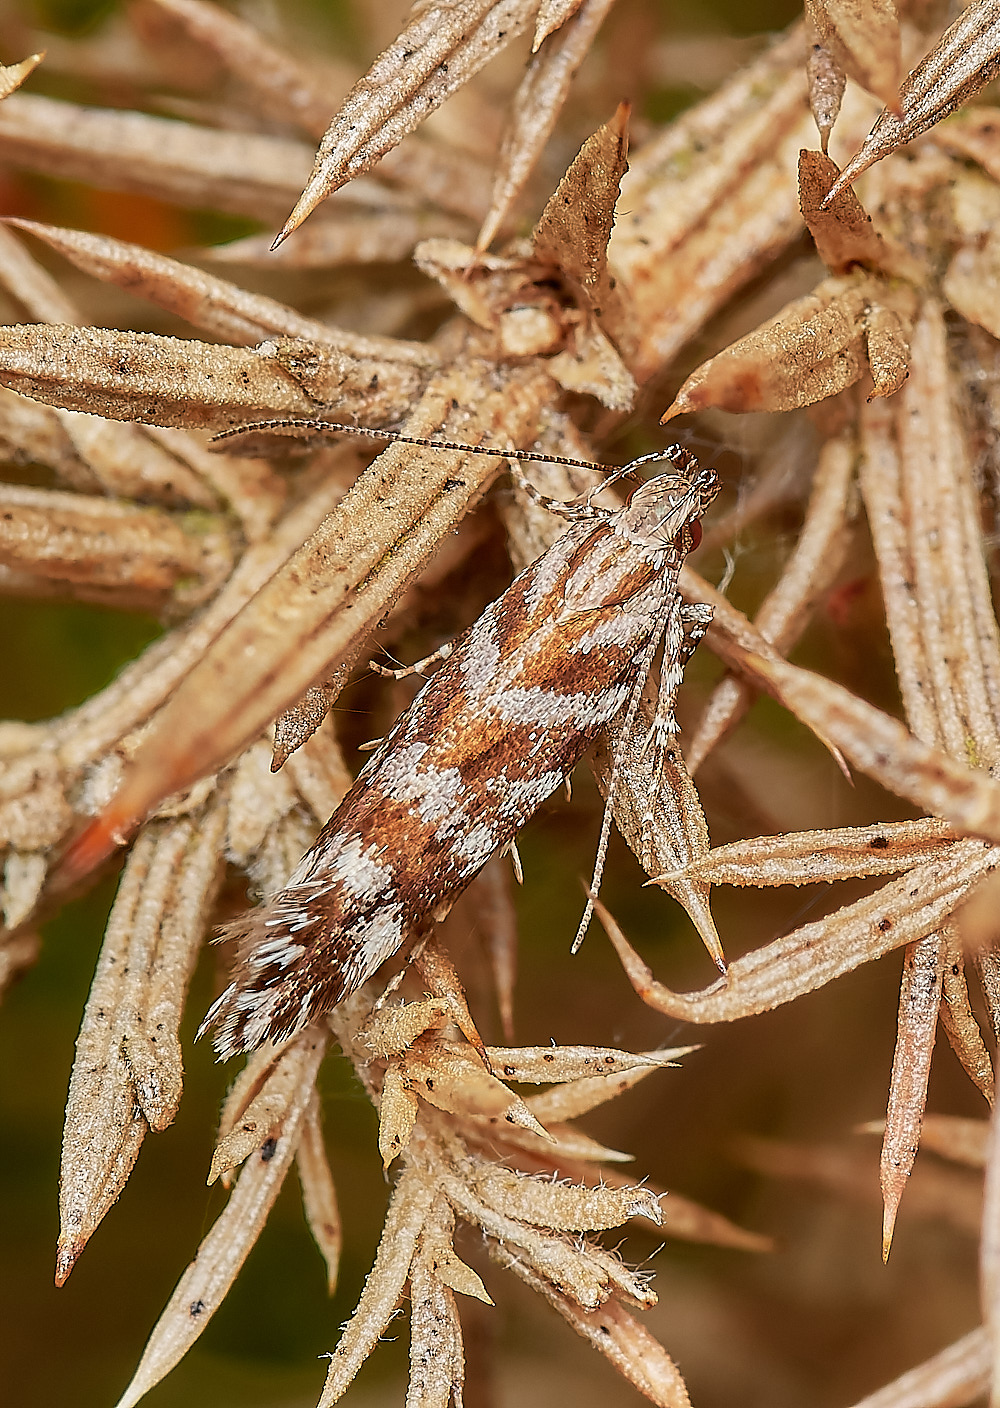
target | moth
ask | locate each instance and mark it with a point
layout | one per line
(500, 725)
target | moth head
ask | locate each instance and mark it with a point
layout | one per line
(664, 508)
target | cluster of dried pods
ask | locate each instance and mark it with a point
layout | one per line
(273, 573)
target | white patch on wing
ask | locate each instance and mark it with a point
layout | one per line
(622, 628)
(479, 660)
(356, 868)
(277, 950)
(552, 565)
(372, 942)
(550, 710)
(475, 846)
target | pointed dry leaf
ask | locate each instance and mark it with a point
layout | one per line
(965, 59)
(262, 1118)
(658, 812)
(957, 1376)
(901, 912)
(562, 1206)
(298, 724)
(826, 80)
(166, 381)
(813, 349)
(843, 230)
(613, 1331)
(454, 1273)
(153, 560)
(127, 1075)
(576, 224)
(452, 1081)
(551, 15)
(221, 308)
(538, 1065)
(919, 1001)
(205, 1283)
(397, 1113)
(13, 75)
(959, 1020)
(803, 857)
(863, 36)
(441, 48)
(539, 99)
(408, 1208)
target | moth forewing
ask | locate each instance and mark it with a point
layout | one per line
(498, 728)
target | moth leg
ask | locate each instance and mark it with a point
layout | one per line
(696, 617)
(693, 620)
(685, 629)
(418, 667)
(515, 861)
(558, 506)
(631, 710)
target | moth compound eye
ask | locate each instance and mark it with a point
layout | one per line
(695, 531)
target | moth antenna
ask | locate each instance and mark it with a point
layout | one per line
(310, 423)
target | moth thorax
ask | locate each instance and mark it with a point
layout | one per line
(658, 510)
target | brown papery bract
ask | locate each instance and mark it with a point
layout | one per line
(561, 44)
(964, 60)
(864, 40)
